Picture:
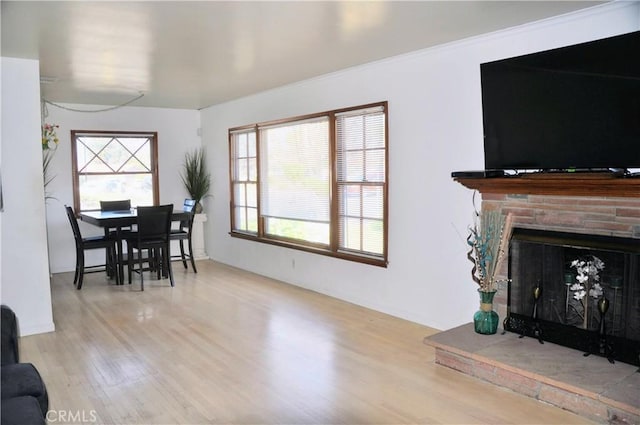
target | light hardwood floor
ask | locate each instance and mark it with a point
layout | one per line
(225, 346)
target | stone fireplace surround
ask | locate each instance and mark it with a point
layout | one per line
(583, 204)
(606, 216)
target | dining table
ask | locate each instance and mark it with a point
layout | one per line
(119, 220)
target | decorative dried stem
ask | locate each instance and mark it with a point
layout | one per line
(507, 231)
(489, 246)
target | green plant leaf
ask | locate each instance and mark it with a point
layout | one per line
(196, 178)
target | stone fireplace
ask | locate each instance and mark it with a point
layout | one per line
(617, 217)
(588, 209)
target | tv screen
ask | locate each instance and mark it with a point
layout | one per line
(575, 107)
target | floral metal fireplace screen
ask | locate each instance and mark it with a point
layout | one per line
(580, 291)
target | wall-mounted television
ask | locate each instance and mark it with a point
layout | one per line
(571, 108)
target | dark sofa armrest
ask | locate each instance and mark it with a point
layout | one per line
(9, 336)
(22, 410)
(23, 379)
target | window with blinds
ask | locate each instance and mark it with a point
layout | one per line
(244, 181)
(361, 180)
(295, 180)
(317, 183)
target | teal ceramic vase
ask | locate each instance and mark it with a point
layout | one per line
(485, 321)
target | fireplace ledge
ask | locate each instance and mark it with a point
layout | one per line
(563, 184)
(588, 386)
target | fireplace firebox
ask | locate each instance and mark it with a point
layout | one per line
(577, 290)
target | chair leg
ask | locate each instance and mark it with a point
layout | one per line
(129, 262)
(184, 259)
(158, 261)
(193, 260)
(116, 273)
(167, 257)
(153, 260)
(107, 262)
(80, 270)
(112, 265)
(107, 255)
(141, 271)
(75, 276)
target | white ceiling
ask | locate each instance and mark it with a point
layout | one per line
(195, 54)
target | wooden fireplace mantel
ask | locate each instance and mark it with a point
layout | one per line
(561, 184)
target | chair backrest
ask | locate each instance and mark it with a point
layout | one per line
(154, 222)
(121, 205)
(189, 206)
(74, 225)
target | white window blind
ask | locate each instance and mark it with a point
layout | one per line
(361, 166)
(295, 180)
(244, 181)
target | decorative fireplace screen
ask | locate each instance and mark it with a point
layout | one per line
(577, 290)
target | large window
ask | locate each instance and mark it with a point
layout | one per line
(112, 166)
(317, 183)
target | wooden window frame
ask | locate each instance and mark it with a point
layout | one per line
(333, 249)
(74, 162)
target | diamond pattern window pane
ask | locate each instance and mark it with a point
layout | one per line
(114, 166)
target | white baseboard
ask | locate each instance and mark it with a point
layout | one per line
(35, 329)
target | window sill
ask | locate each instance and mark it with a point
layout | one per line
(373, 261)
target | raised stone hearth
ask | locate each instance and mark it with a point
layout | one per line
(588, 386)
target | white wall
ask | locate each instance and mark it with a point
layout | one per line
(24, 281)
(435, 127)
(177, 133)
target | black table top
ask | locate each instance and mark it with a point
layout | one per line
(121, 218)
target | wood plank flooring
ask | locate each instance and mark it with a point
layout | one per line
(225, 346)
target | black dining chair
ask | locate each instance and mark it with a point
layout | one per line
(85, 244)
(120, 205)
(154, 227)
(117, 205)
(183, 234)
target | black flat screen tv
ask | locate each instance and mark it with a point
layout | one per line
(572, 108)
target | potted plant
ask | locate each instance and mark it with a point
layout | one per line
(489, 239)
(196, 178)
